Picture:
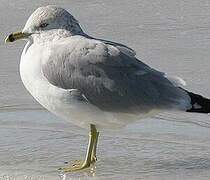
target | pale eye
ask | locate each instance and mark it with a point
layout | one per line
(43, 25)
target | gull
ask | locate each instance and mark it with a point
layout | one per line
(93, 83)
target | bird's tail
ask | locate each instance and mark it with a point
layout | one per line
(199, 103)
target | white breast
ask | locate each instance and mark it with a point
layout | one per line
(33, 79)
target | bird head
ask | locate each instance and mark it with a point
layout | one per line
(46, 19)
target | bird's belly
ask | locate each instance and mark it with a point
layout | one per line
(77, 112)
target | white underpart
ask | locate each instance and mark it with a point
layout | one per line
(58, 101)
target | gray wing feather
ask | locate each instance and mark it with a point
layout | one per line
(75, 94)
(123, 48)
(112, 80)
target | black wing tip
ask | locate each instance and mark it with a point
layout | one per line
(199, 103)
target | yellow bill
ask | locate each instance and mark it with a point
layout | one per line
(16, 36)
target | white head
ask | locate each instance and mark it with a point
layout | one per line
(46, 19)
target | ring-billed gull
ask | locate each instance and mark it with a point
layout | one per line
(93, 82)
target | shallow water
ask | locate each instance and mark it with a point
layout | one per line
(172, 36)
(35, 144)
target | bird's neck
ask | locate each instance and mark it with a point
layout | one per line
(54, 35)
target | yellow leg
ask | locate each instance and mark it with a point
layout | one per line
(93, 155)
(90, 155)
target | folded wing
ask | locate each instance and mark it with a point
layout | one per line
(109, 78)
